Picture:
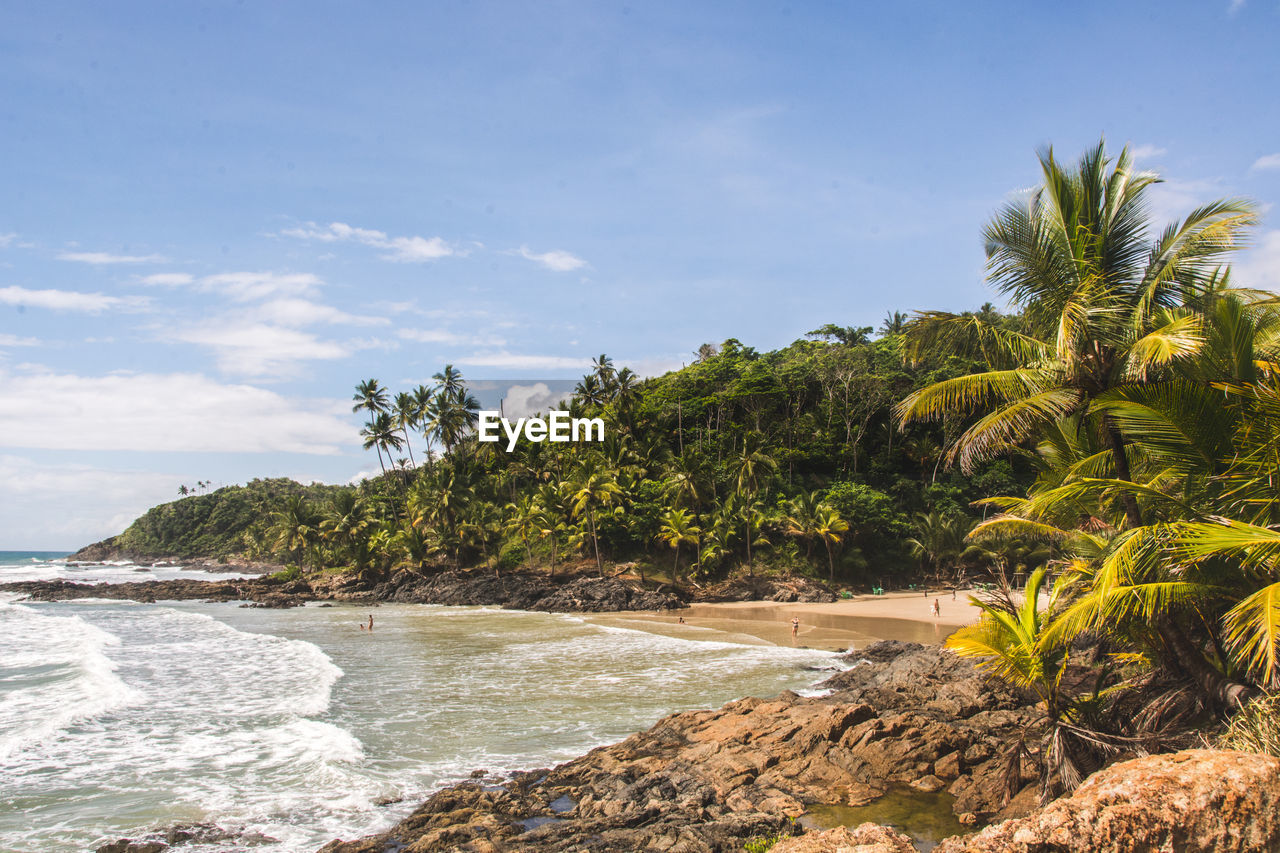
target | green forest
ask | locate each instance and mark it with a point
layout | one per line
(784, 461)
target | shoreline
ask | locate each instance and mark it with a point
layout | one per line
(830, 626)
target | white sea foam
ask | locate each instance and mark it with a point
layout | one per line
(59, 674)
(243, 720)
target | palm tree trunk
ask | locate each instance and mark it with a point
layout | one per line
(1224, 692)
(1121, 461)
(831, 561)
(595, 544)
(409, 446)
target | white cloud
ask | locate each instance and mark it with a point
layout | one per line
(557, 260)
(6, 239)
(521, 401)
(303, 312)
(1143, 152)
(1236, 6)
(15, 341)
(411, 249)
(108, 258)
(431, 336)
(168, 279)
(250, 286)
(164, 413)
(60, 300)
(259, 349)
(524, 362)
(64, 506)
(1259, 266)
(444, 336)
(1268, 161)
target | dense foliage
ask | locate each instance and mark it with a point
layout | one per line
(1145, 387)
(223, 523)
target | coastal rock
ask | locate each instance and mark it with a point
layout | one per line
(128, 845)
(516, 590)
(768, 588)
(712, 780)
(867, 838)
(1191, 801)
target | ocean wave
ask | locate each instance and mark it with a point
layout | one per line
(59, 674)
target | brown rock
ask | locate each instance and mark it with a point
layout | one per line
(867, 838)
(929, 784)
(948, 766)
(1196, 801)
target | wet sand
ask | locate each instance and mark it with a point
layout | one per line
(837, 626)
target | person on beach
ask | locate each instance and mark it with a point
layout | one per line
(936, 608)
(681, 620)
(795, 629)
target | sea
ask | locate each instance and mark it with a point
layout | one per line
(289, 728)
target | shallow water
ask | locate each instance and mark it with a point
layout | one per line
(116, 717)
(926, 818)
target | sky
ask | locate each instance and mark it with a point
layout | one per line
(219, 217)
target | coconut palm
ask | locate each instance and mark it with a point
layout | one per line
(1107, 306)
(371, 397)
(830, 528)
(380, 433)
(1010, 641)
(405, 416)
(678, 529)
(294, 527)
(593, 492)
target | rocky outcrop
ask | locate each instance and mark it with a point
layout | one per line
(712, 780)
(517, 590)
(867, 838)
(1196, 801)
(768, 588)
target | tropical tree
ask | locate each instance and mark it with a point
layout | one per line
(678, 529)
(593, 492)
(830, 528)
(405, 417)
(380, 433)
(371, 397)
(1107, 308)
(294, 527)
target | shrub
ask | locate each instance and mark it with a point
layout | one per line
(1256, 728)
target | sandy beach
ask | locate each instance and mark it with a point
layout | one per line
(837, 626)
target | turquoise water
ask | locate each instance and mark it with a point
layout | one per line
(117, 717)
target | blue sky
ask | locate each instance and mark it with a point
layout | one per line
(220, 217)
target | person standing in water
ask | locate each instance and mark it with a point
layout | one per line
(795, 629)
(370, 621)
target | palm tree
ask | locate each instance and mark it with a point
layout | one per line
(346, 522)
(424, 415)
(678, 529)
(524, 518)
(380, 433)
(1010, 641)
(406, 418)
(938, 538)
(293, 527)
(371, 397)
(1107, 308)
(829, 527)
(595, 491)
(801, 520)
